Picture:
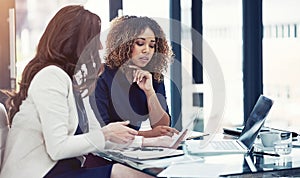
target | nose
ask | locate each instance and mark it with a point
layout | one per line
(100, 46)
(146, 49)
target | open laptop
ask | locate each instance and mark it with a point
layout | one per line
(147, 153)
(245, 141)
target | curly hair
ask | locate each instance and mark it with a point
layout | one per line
(120, 41)
(70, 40)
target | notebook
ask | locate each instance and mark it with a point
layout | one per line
(245, 141)
(147, 153)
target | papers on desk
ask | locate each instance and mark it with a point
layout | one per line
(145, 153)
(192, 169)
(162, 163)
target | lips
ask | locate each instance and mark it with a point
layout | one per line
(144, 58)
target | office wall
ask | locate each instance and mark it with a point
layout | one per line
(4, 45)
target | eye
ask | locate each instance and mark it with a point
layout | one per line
(152, 45)
(139, 44)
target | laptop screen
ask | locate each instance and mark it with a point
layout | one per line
(255, 121)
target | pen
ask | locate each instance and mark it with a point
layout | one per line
(196, 137)
(152, 149)
(264, 153)
(143, 149)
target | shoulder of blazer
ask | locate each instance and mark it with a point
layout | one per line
(52, 69)
(51, 75)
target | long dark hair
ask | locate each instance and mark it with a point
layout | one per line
(70, 40)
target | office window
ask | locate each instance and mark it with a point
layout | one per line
(281, 62)
(222, 30)
(32, 16)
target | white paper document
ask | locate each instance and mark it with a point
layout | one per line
(193, 169)
(165, 162)
(145, 153)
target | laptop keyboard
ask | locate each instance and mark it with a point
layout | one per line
(224, 145)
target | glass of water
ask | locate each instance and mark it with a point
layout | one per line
(283, 146)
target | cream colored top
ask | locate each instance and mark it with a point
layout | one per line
(43, 130)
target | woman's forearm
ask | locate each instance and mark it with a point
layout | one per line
(157, 114)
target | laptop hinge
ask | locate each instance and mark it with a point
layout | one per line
(242, 145)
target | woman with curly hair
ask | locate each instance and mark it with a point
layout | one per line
(132, 87)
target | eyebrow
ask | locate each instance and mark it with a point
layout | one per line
(145, 39)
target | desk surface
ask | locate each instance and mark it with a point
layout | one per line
(221, 165)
